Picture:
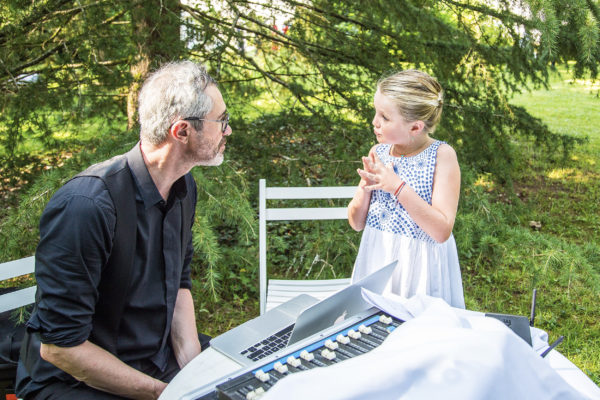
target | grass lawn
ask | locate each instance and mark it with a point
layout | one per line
(564, 199)
(567, 196)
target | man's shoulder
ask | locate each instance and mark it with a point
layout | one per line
(83, 189)
(106, 167)
(92, 181)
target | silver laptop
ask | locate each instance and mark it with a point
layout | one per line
(297, 319)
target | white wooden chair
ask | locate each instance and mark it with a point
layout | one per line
(21, 297)
(276, 291)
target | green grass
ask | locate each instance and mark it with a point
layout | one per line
(570, 106)
(565, 197)
(562, 258)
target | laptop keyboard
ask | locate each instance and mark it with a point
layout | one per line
(270, 345)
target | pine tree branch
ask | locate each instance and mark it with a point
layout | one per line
(37, 15)
(594, 9)
(279, 38)
(274, 78)
(106, 63)
(328, 26)
(37, 60)
(258, 77)
(510, 17)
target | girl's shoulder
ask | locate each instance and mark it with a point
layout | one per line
(446, 153)
(380, 149)
(444, 148)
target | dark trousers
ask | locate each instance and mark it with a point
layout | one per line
(63, 391)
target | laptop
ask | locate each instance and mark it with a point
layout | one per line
(297, 319)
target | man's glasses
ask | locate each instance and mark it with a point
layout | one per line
(224, 122)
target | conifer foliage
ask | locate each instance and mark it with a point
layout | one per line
(314, 63)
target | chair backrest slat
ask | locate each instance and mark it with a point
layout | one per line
(324, 192)
(293, 214)
(304, 214)
(21, 297)
(12, 269)
(16, 299)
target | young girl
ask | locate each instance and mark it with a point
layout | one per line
(407, 197)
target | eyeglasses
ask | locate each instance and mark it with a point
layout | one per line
(224, 122)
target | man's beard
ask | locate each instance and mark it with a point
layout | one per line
(217, 158)
(213, 162)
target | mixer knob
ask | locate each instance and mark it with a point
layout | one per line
(328, 354)
(293, 361)
(262, 376)
(384, 319)
(331, 345)
(342, 339)
(365, 329)
(279, 367)
(353, 334)
(305, 355)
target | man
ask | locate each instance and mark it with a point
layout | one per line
(101, 330)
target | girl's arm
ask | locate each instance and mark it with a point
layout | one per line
(437, 219)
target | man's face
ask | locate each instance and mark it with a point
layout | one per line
(207, 146)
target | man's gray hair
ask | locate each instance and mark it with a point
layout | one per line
(175, 91)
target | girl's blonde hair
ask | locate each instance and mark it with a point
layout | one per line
(418, 96)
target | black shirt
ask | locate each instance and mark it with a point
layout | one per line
(76, 233)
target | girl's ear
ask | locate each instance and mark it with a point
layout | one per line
(417, 127)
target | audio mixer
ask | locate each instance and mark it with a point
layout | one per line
(351, 341)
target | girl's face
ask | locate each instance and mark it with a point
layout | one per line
(388, 125)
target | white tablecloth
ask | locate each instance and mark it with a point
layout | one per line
(443, 352)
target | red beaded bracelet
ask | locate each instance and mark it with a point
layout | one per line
(397, 192)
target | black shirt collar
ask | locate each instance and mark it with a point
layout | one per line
(147, 189)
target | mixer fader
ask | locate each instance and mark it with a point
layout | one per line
(350, 342)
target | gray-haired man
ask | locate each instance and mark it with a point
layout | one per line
(101, 331)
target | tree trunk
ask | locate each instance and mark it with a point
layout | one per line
(156, 32)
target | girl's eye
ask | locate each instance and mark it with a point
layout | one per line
(384, 118)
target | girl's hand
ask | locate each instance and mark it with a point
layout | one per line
(365, 181)
(378, 176)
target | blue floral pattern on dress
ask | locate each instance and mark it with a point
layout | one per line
(385, 212)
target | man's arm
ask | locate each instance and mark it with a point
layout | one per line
(101, 370)
(184, 335)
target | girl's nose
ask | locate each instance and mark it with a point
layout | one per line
(375, 122)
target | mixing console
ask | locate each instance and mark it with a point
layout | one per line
(350, 342)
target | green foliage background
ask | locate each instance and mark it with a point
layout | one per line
(301, 110)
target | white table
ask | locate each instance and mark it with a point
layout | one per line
(573, 375)
(211, 366)
(208, 366)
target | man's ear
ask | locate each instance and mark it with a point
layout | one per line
(179, 131)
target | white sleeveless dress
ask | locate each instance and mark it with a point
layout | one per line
(424, 265)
